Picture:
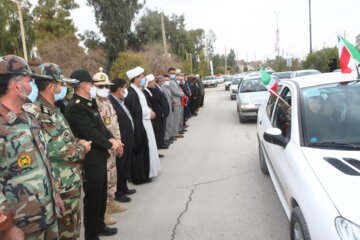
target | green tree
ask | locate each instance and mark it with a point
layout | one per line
(231, 60)
(203, 69)
(91, 40)
(319, 60)
(53, 18)
(126, 61)
(114, 19)
(10, 40)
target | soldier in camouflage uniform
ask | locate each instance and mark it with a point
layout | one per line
(28, 189)
(65, 152)
(109, 118)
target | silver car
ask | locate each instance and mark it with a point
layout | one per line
(251, 94)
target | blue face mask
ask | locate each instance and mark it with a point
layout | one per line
(34, 91)
(142, 82)
(61, 95)
(172, 76)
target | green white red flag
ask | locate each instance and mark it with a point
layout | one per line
(270, 83)
(349, 56)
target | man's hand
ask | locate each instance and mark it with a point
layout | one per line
(59, 202)
(115, 145)
(86, 145)
(152, 116)
(2, 218)
(120, 150)
(14, 233)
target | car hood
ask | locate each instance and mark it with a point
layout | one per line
(256, 98)
(338, 171)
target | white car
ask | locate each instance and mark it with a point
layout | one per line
(309, 142)
(301, 73)
(228, 80)
(234, 87)
(220, 79)
(251, 94)
(210, 81)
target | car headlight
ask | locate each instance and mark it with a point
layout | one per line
(347, 229)
(247, 106)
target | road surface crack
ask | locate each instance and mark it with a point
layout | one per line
(183, 212)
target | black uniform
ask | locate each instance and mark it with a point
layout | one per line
(85, 122)
(123, 163)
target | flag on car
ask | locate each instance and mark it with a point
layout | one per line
(269, 82)
(348, 55)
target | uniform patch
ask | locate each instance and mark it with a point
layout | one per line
(107, 120)
(89, 104)
(45, 110)
(24, 160)
(77, 101)
(67, 136)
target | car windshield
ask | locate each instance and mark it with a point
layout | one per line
(209, 78)
(283, 75)
(331, 115)
(235, 81)
(252, 85)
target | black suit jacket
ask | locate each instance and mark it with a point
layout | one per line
(126, 129)
(164, 103)
(85, 122)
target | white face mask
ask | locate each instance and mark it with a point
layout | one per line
(93, 92)
(167, 83)
(125, 92)
(102, 92)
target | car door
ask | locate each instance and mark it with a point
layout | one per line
(278, 155)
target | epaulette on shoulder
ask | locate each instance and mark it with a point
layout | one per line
(45, 110)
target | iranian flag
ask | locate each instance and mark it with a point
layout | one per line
(348, 55)
(270, 83)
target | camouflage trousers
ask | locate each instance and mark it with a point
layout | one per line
(50, 233)
(70, 222)
(111, 176)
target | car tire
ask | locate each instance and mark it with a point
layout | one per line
(241, 119)
(298, 227)
(263, 167)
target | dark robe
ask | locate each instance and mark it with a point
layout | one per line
(123, 163)
(154, 99)
(140, 164)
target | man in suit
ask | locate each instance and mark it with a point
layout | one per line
(126, 125)
(177, 95)
(164, 105)
(85, 121)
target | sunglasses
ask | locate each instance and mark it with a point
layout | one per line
(103, 86)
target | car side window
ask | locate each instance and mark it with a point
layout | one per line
(282, 114)
(271, 103)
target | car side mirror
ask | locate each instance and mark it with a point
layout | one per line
(273, 135)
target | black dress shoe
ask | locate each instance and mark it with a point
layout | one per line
(161, 156)
(106, 231)
(137, 182)
(123, 199)
(130, 191)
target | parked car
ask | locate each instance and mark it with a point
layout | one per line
(234, 87)
(220, 79)
(210, 81)
(228, 80)
(284, 75)
(309, 143)
(251, 94)
(301, 73)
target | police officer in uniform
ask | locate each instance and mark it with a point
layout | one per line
(65, 152)
(85, 121)
(27, 185)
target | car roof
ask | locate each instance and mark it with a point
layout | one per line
(252, 77)
(321, 79)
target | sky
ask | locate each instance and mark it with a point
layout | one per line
(249, 27)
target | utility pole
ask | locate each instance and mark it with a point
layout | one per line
(21, 29)
(310, 23)
(225, 62)
(164, 34)
(277, 36)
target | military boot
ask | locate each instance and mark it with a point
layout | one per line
(109, 220)
(114, 207)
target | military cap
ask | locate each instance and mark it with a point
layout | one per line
(81, 75)
(101, 78)
(12, 65)
(54, 71)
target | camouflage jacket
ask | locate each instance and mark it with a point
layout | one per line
(109, 116)
(64, 151)
(27, 183)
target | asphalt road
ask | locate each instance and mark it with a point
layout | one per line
(210, 186)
